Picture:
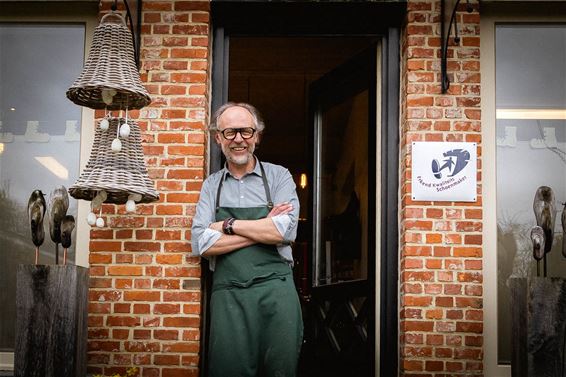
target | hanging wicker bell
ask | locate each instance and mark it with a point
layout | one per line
(110, 79)
(121, 173)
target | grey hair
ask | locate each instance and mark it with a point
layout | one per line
(256, 116)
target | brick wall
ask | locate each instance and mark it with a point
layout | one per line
(144, 299)
(145, 288)
(441, 316)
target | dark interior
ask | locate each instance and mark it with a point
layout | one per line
(273, 74)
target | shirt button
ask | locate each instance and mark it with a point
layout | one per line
(242, 182)
(242, 197)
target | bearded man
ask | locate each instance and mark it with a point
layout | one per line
(245, 221)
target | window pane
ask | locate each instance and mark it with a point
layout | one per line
(39, 142)
(343, 192)
(531, 152)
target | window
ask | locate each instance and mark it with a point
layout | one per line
(42, 135)
(523, 54)
(531, 140)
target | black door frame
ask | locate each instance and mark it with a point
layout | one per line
(378, 19)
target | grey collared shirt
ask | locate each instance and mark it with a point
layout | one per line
(246, 192)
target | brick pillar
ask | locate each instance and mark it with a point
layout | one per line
(441, 316)
(144, 298)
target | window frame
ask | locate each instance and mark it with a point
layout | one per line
(494, 14)
(85, 13)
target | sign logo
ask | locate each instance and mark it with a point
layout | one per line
(444, 171)
(462, 158)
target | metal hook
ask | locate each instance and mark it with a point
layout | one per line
(445, 37)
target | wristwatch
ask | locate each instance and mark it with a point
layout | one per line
(227, 225)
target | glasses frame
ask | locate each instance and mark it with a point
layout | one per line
(238, 131)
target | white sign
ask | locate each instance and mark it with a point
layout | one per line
(445, 172)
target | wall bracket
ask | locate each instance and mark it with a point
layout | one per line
(448, 9)
(134, 19)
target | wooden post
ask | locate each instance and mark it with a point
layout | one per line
(539, 326)
(51, 321)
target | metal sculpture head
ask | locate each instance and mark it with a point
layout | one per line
(58, 206)
(36, 213)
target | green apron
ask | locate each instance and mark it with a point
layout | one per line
(256, 324)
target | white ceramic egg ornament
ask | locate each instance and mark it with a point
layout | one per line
(104, 124)
(130, 206)
(131, 203)
(116, 145)
(125, 130)
(100, 222)
(91, 219)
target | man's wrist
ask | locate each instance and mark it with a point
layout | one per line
(227, 226)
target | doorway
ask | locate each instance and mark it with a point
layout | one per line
(339, 140)
(317, 97)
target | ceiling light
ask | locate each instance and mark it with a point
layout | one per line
(559, 114)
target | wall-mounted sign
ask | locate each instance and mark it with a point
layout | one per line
(443, 171)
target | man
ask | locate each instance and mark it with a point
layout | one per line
(256, 324)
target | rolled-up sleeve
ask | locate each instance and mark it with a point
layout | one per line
(202, 237)
(285, 191)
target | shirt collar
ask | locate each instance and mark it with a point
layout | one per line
(256, 171)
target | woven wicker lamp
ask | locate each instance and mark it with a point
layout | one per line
(116, 171)
(110, 79)
(115, 175)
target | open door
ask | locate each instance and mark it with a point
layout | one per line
(340, 297)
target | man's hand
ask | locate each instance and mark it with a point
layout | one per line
(280, 209)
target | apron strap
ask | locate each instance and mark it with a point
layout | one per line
(265, 186)
(217, 205)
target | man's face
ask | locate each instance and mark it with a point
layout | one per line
(238, 151)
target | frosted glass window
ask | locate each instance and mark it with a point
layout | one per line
(531, 152)
(39, 142)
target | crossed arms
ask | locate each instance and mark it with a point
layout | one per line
(278, 228)
(249, 232)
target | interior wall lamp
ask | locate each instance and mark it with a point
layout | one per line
(134, 18)
(448, 9)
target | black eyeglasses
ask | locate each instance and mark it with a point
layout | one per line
(230, 133)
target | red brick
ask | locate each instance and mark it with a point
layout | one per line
(141, 309)
(142, 295)
(181, 322)
(122, 307)
(100, 258)
(142, 246)
(123, 283)
(122, 321)
(125, 270)
(142, 346)
(434, 366)
(417, 325)
(434, 339)
(105, 246)
(166, 284)
(124, 258)
(189, 53)
(417, 300)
